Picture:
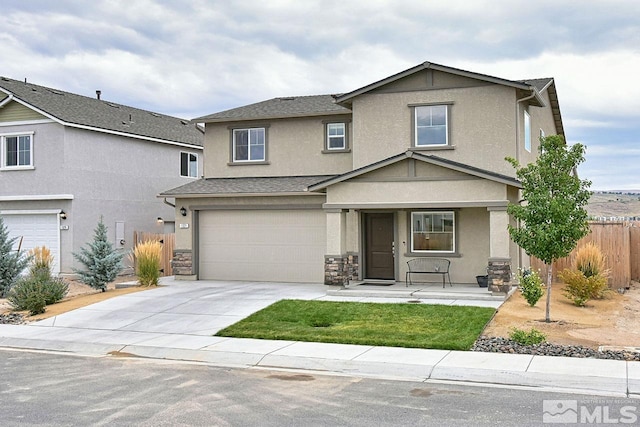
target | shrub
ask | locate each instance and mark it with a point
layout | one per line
(41, 260)
(580, 288)
(590, 261)
(102, 261)
(12, 263)
(531, 337)
(147, 257)
(531, 286)
(37, 290)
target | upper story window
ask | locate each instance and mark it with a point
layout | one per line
(336, 136)
(249, 145)
(433, 231)
(17, 151)
(188, 164)
(527, 131)
(431, 125)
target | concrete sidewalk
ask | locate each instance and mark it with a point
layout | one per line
(177, 321)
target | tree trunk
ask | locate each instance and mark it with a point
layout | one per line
(549, 280)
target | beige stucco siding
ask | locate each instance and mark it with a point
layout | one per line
(355, 192)
(294, 147)
(472, 230)
(541, 119)
(481, 125)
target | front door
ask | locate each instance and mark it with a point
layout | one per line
(379, 246)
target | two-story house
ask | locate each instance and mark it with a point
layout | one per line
(66, 160)
(351, 186)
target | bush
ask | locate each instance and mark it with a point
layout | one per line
(12, 263)
(531, 286)
(102, 261)
(580, 288)
(590, 261)
(531, 337)
(37, 290)
(147, 257)
(41, 260)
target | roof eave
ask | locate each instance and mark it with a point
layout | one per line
(267, 117)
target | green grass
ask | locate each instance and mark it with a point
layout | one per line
(394, 325)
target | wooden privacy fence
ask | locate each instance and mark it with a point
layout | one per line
(618, 241)
(168, 243)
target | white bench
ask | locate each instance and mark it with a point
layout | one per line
(428, 266)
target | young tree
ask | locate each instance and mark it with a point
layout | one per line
(12, 262)
(102, 261)
(553, 218)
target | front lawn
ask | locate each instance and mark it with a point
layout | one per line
(394, 325)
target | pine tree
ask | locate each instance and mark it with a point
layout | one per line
(12, 263)
(102, 261)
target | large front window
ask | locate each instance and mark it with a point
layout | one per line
(249, 145)
(431, 123)
(433, 231)
(17, 151)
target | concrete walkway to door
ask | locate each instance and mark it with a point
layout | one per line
(177, 322)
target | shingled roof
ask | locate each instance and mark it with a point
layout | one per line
(246, 185)
(285, 107)
(85, 112)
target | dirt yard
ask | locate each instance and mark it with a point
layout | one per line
(80, 295)
(612, 321)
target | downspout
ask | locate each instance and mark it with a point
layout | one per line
(6, 100)
(168, 203)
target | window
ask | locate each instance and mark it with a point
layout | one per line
(527, 131)
(17, 151)
(336, 136)
(431, 125)
(249, 145)
(433, 232)
(189, 165)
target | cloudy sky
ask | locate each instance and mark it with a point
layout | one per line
(194, 57)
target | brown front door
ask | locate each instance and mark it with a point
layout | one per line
(379, 246)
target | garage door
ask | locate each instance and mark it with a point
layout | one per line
(262, 245)
(35, 230)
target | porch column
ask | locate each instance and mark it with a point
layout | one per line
(336, 260)
(499, 264)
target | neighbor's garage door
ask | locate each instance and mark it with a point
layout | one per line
(262, 245)
(35, 230)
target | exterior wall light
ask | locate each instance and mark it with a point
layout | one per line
(63, 215)
(183, 211)
(159, 220)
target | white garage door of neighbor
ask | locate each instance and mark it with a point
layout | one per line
(36, 230)
(262, 245)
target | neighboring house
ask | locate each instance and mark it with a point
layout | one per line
(66, 160)
(332, 188)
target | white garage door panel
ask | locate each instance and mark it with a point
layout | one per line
(36, 230)
(274, 245)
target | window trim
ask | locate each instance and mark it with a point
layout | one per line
(414, 126)
(527, 130)
(414, 252)
(232, 147)
(347, 145)
(188, 168)
(3, 151)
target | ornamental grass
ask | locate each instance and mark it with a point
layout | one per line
(147, 258)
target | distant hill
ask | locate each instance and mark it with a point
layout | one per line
(614, 203)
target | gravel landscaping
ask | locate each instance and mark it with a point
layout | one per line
(12, 319)
(504, 345)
